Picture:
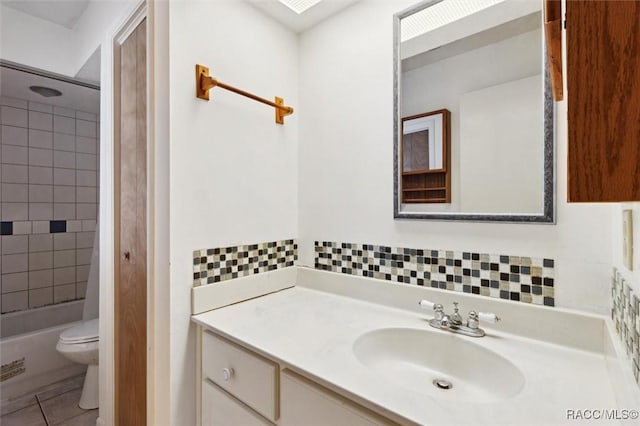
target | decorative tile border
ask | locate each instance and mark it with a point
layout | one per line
(32, 227)
(226, 263)
(626, 317)
(521, 279)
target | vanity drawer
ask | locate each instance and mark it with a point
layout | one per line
(247, 376)
(221, 409)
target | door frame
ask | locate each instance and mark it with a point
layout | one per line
(158, 393)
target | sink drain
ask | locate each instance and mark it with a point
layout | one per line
(442, 384)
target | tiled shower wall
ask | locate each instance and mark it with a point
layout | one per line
(49, 202)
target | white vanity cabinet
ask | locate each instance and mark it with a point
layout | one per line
(242, 388)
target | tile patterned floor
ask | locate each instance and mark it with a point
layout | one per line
(56, 404)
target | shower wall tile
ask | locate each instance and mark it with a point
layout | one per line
(40, 242)
(64, 241)
(15, 282)
(86, 161)
(64, 177)
(65, 125)
(64, 142)
(12, 135)
(40, 260)
(87, 211)
(40, 297)
(40, 139)
(13, 244)
(14, 116)
(86, 128)
(16, 301)
(15, 263)
(22, 228)
(64, 159)
(40, 193)
(40, 157)
(40, 121)
(48, 164)
(40, 279)
(12, 154)
(86, 178)
(11, 173)
(64, 293)
(14, 211)
(64, 275)
(86, 145)
(40, 175)
(75, 226)
(40, 211)
(64, 194)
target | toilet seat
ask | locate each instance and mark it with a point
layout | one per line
(84, 332)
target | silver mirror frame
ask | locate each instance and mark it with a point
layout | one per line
(548, 214)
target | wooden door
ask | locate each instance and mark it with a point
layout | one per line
(603, 91)
(131, 241)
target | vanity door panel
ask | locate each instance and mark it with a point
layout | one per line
(306, 403)
(221, 409)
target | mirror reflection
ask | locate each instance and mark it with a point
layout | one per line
(425, 158)
(481, 64)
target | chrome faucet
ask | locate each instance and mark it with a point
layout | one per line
(454, 322)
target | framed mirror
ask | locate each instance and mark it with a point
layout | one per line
(473, 113)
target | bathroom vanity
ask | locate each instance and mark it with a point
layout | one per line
(306, 356)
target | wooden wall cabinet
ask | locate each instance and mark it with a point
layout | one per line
(603, 92)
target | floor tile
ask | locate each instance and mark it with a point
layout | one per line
(30, 416)
(62, 407)
(16, 404)
(87, 419)
(59, 388)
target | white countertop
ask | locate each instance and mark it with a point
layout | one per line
(313, 333)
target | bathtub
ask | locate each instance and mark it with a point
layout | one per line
(28, 348)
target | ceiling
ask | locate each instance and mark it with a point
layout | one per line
(305, 20)
(61, 12)
(15, 84)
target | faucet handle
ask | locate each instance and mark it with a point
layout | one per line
(488, 317)
(426, 304)
(438, 309)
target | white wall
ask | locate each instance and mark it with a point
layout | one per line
(346, 165)
(632, 276)
(234, 171)
(41, 44)
(35, 42)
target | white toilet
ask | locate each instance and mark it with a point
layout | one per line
(80, 344)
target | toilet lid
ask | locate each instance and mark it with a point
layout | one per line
(85, 332)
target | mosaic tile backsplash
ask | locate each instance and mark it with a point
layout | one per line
(516, 278)
(225, 263)
(626, 317)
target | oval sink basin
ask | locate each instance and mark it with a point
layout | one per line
(429, 362)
